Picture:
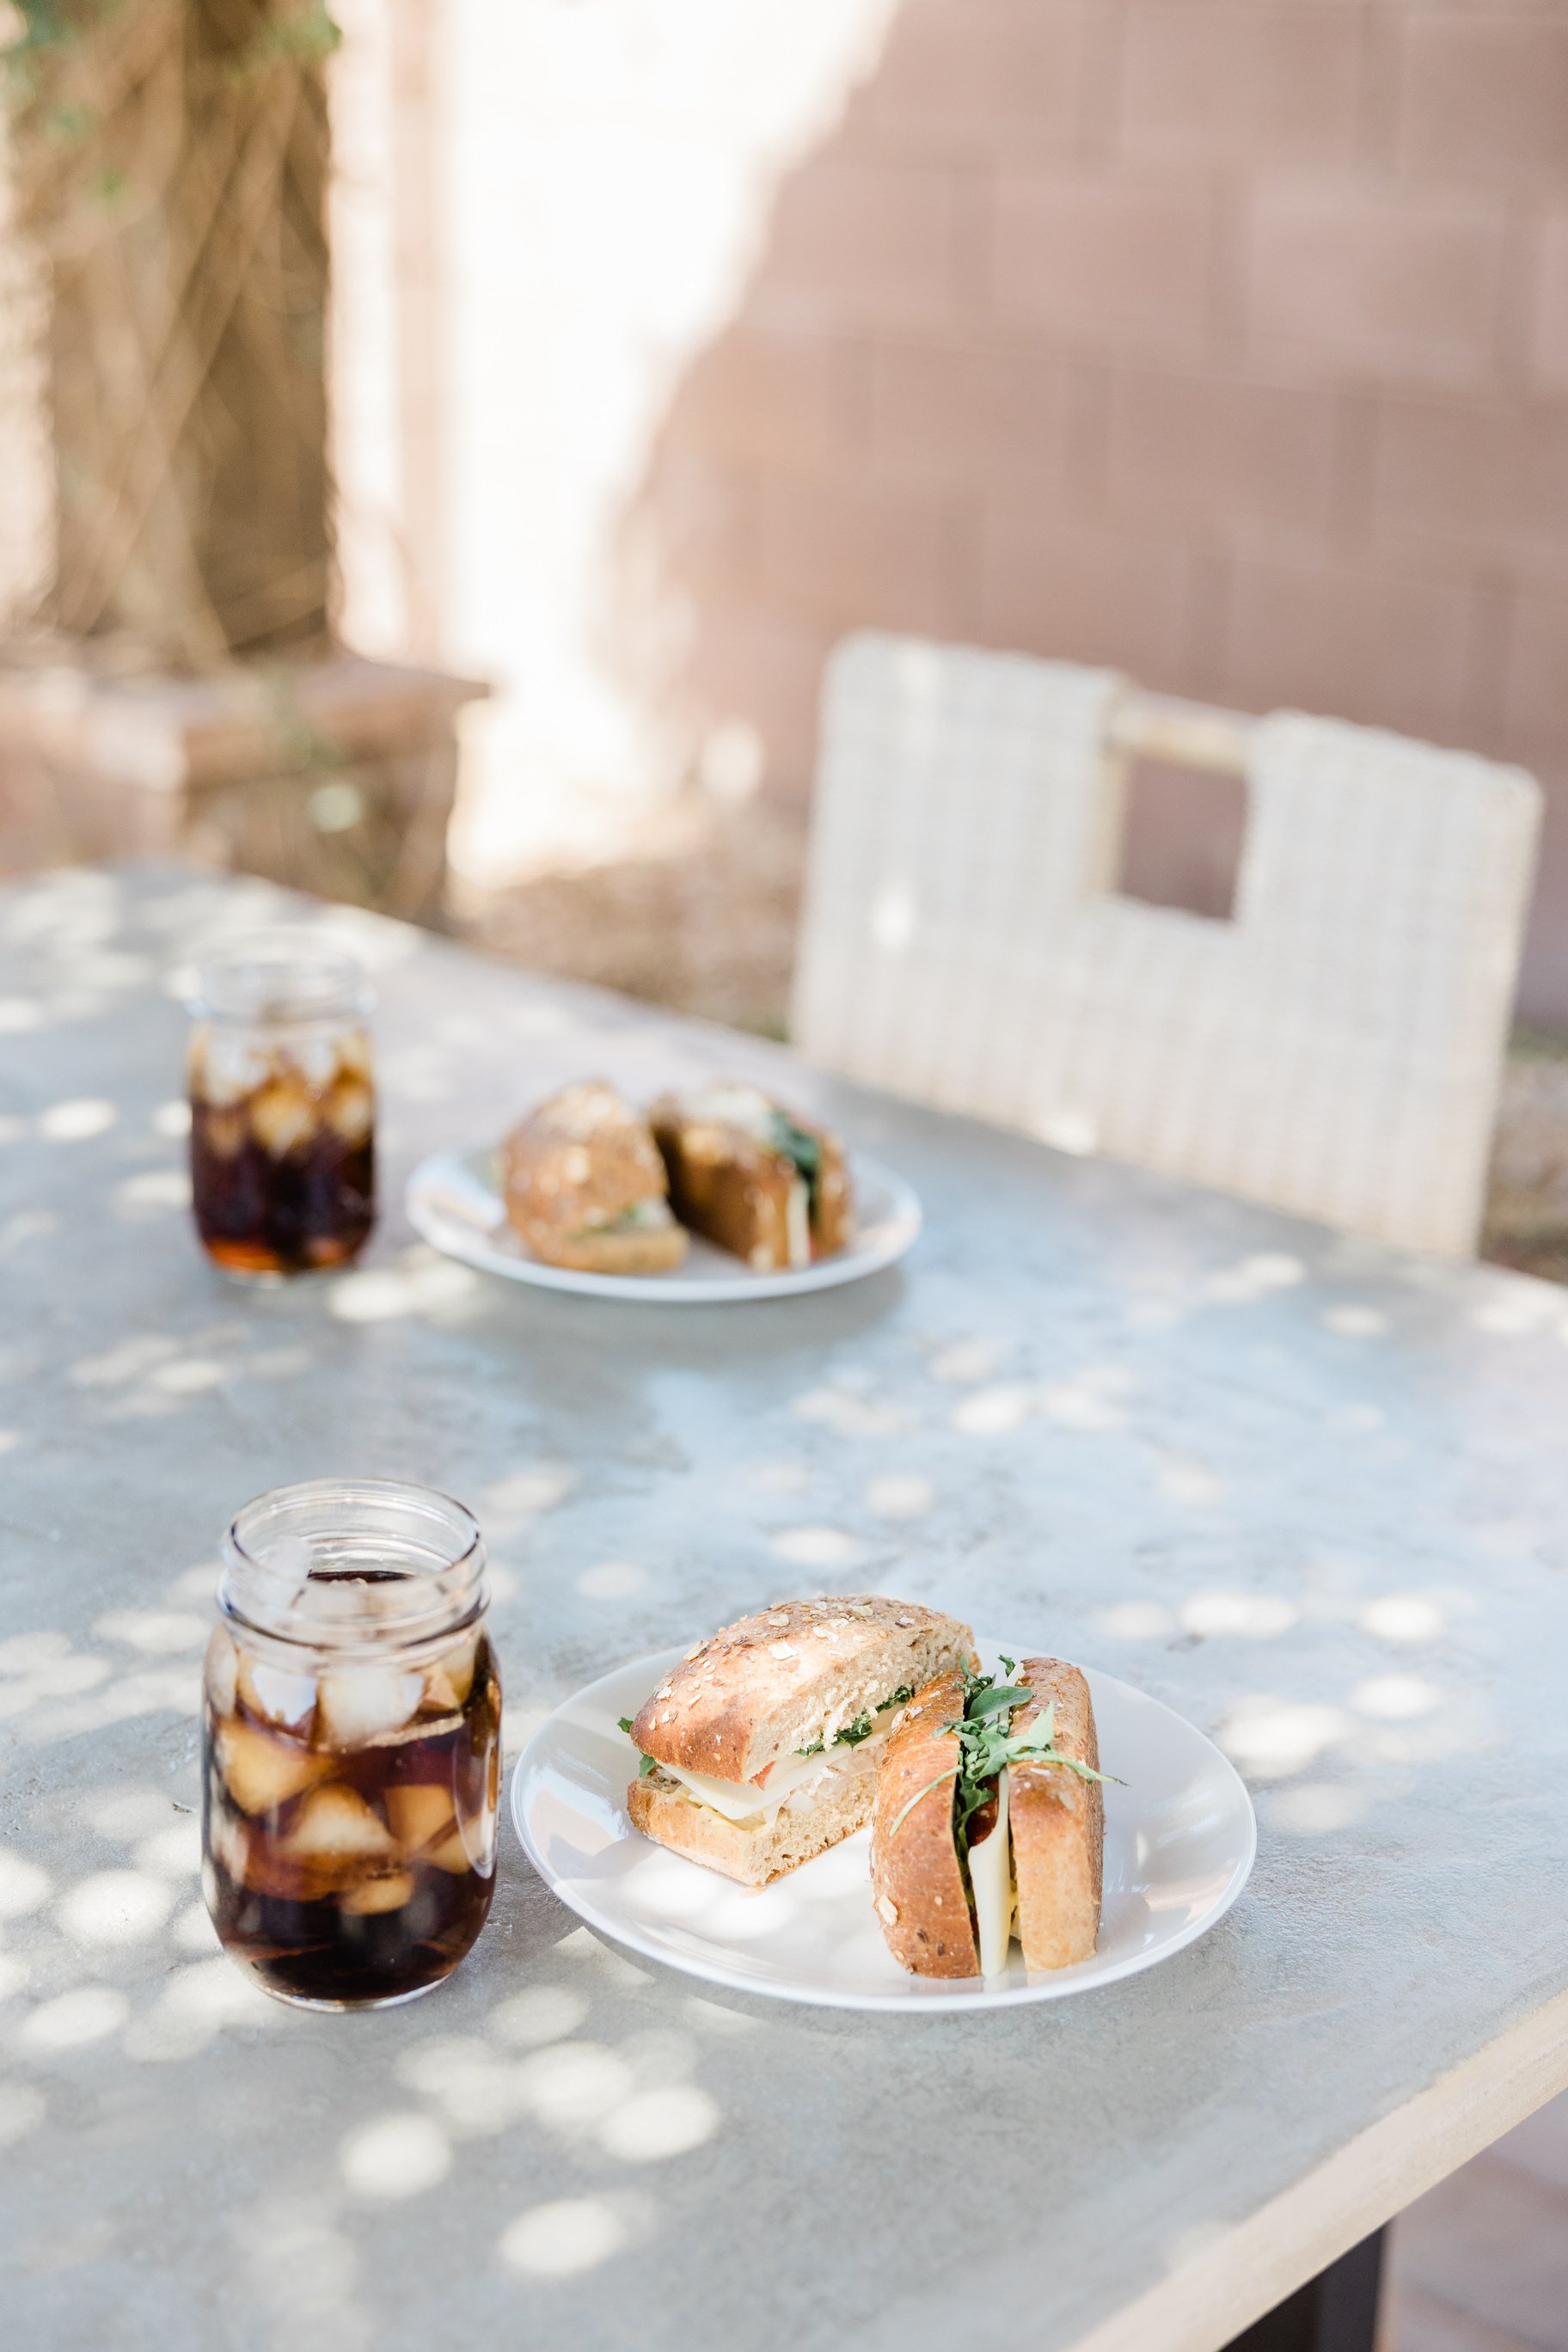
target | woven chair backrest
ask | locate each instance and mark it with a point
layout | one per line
(1335, 1049)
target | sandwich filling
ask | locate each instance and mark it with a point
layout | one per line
(650, 1216)
(987, 1746)
(852, 1754)
(730, 1103)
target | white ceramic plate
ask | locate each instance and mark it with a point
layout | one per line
(1180, 1838)
(455, 1203)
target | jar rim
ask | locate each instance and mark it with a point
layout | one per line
(283, 1547)
(284, 977)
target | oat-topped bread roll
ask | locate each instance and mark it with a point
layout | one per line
(585, 1186)
(752, 1177)
(989, 1823)
(919, 1884)
(1057, 1823)
(761, 1749)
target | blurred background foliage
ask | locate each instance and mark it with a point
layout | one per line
(170, 161)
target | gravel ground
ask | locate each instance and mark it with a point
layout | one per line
(699, 912)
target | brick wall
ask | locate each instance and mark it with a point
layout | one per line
(1223, 340)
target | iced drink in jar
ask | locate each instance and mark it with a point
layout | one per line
(351, 1743)
(282, 1106)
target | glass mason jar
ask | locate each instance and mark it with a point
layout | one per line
(351, 1742)
(282, 1106)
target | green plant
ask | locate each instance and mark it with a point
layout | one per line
(986, 1745)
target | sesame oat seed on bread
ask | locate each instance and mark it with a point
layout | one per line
(937, 1913)
(770, 1685)
(1057, 1823)
(917, 1884)
(585, 1185)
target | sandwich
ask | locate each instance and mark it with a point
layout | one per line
(761, 1749)
(586, 1187)
(770, 1187)
(989, 1822)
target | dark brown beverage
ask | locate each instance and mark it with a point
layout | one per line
(263, 1212)
(282, 1107)
(350, 1815)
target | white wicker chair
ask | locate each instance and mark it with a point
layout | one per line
(1335, 1049)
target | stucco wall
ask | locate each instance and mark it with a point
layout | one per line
(1223, 340)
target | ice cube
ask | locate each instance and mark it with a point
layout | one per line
(336, 1825)
(478, 1833)
(282, 1118)
(316, 1060)
(331, 1600)
(353, 1053)
(360, 1703)
(220, 1672)
(419, 1813)
(225, 1067)
(450, 1854)
(287, 1570)
(262, 1771)
(448, 1682)
(223, 1132)
(351, 1110)
(230, 1842)
(278, 1693)
(388, 1892)
(347, 1600)
(440, 1693)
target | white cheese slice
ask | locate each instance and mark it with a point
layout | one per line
(797, 1223)
(991, 1876)
(730, 1103)
(792, 1776)
(643, 1217)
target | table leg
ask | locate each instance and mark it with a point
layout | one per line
(1335, 2312)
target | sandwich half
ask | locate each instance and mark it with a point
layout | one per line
(770, 1187)
(761, 1749)
(585, 1185)
(989, 1823)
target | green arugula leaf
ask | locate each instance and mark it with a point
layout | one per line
(805, 1150)
(987, 1744)
(645, 1764)
(1007, 1694)
(863, 1726)
(905, 1811)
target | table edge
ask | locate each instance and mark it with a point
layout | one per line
(1209, 2295)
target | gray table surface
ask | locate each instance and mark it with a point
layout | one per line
(1307, 1491)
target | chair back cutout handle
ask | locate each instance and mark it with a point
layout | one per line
(1186, 734)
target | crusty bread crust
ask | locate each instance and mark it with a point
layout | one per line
(917, 1885)
(647, 1250)
(580, 1158)
(1058, 1825)
(663, 1811)
(833, 1227)
(735, 1195)
(773, 1683)
(734, 1188)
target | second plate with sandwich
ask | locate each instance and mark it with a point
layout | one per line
(1179, 1841)
(717, 1192)
(455, 1202)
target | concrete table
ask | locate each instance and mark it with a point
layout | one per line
(1311, 1492)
